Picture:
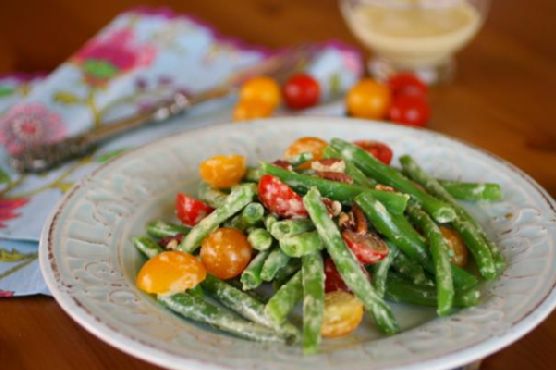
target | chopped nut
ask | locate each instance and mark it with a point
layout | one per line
(329, 165)
(170, 242)
(384, 188)
(345, 221)
(283, 164)
(333, 206)
(359, 220)
(336, 176)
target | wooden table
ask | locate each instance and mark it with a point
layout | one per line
(502, 100)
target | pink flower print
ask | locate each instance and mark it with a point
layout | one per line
(8, 209)
(108, 56)
(6, 293)
(29, 124)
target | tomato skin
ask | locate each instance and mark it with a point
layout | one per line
(410, 110)
(368, 99)
(343, 312)
(457, 246)
(226, 252)
(311, 144)
(191, 210)
(407, 84)
(246, 110)
(301, 91)
(366, 248)
(223, 171)
(262, 89)
(170, 272)
(333, 281)
(279, 198)
(379, 150)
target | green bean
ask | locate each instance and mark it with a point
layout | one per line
(197, 309)
(285, 299)
(252, 174)
(212, 196)
(472, 191)
(260, 239)
(301, 244)
(359, 178)
(269, 220)
(381, 269)
(160, 229)
(347, 265)
(440, 256)
(240, 196)
(147, 246)
(487, 256)
(313, 301)
(251, 276)
(253, 213)
(410, 269)
(274, 262)
(395, 202)
(439, 210)
(281, 229)
(302, 158)
(286, 272)
(245, 305)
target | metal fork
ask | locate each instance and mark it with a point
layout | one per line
(44, 157)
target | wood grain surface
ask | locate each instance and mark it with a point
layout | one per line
(503, 100)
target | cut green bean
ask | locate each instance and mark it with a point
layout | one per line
(240, 196)
(472, 191)
(313, 301)
(275, 261)
(359, 178)
(197, 309)
(252, 174)
(281, 229)
(395, 202)
(286, 272)
(302, 158)
(269, 220)
(147, 246)
(301, 244)
(260, 239)
(381, 269)
(212, 196)
(347, 265)
(410, 269)
(440, 256)
(439, 210)
(282, 303)
(251, 276)
(253, 213)
(161, 229)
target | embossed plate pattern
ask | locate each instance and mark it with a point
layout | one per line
(89, 263)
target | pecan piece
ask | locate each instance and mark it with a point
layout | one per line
(170, 242)
(333, 207)
(283, 164)
(359, 221)
(384, 188)
(329, 165)
(336, 176)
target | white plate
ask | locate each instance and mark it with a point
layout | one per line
(89, 263)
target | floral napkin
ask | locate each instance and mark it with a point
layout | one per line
(142, 56)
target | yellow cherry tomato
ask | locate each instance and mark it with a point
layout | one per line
(262, 89)
(251, 109)
(226, 252)
(368, 99)
(314, 145)
(343, 312)
(170, 272)
(457, 246)
(223, 171)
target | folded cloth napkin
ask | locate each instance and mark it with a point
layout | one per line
(140, 57)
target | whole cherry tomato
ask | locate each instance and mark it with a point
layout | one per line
(170, 272)
(407, 84)
(262, 89)
(410, 110)
(379, 150)
(279, 198)
(246, 110)
(191, 210)
(301, 91)
(225, 252)
(332, 279)
(313, 145)
(343, 313)
(223, 171)
(367, 248)
(368, 99)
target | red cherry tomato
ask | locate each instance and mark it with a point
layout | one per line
(301, 91)
(279, 198)
(367, 248)
(191, 210)
(333, 281)
(410, 110)
(407, 84)
(379, 150)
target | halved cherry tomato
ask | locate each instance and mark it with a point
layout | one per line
(263, 89)
(379, 150)
(191, 210)
(251, 109)
(367, 248)
(407, 84)
(223, 171)
(368, 99)
(301, 91)
(333, 281)
(170, 272)
(279, 198)
(343, 312)
(410, 110)
(307, 144)
(225, 252)
(458, 248)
